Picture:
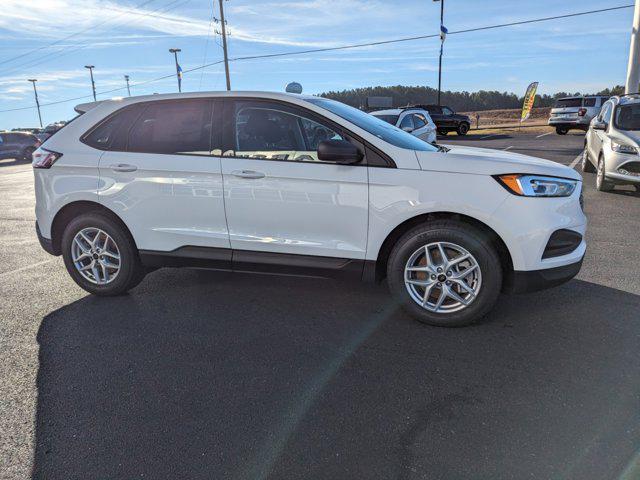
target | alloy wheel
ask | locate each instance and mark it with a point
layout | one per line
(95, 255)
(443, 277)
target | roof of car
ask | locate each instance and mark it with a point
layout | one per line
(84, 107)
(388, 111)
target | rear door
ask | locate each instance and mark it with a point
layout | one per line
(279, 197)
(162, 175)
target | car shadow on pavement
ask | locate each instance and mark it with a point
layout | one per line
(10, 162)
(199, 374)
(472, 136)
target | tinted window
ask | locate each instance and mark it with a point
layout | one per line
(407, 122)
(434, 109)
(373, 125)
(392, 119)
(173, 127)
(568, 102)
(273, 132)
(628, 117)
(419, 121)
(447, 111)
(589, 102)
(111, 134)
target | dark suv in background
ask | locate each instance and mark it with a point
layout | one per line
(18, 145)
(447, 120)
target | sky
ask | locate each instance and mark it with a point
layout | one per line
(52, 40)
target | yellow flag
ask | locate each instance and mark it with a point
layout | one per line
(529, 97)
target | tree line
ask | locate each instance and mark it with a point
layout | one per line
(462, 101)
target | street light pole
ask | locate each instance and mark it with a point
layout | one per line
(93, 84)
(633, 69)
(224, 45)
(178, 73)
(35, 92)
(126, 79)
(442, 33)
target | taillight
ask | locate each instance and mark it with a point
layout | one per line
(44, 158)
(582, 112)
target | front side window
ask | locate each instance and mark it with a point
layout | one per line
(447, 111)
(173, 127)
(373, 125)
(270, 131)
(627, 117)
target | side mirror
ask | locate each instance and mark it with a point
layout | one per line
(338, 151)
(407, 129)
(599, 125)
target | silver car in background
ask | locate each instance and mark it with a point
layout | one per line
(415, 121)
(612, 144)
(575, 112)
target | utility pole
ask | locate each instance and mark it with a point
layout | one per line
(633, 68)
(443, 32)
(178, 69)
(126, 79)
(224, 44)
(35, 92)
(93, 84)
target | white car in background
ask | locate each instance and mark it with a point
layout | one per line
(293, 184)
(612, 144)
(415, 121)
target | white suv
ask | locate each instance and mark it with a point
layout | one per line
(415, 121)
(612, 144)
(292, 184)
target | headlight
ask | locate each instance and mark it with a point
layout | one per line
(537, 185)
(622, 148)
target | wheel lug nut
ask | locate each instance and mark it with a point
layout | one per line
(433, 277)
(449, 273)
(439, 284)
(448, 282)
(439, 269)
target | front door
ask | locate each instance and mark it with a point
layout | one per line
(279, 197)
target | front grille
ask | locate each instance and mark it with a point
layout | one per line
(630, 168)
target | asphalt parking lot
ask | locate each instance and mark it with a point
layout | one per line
(198, 374)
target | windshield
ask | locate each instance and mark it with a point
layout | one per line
(627, 117)
(392, 119)
(374, 125)
(569, 102)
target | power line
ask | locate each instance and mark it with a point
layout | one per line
(342, 47)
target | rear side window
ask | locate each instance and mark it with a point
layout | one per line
(589, 102)
(173, 127)
(407, 122)
(419, 121)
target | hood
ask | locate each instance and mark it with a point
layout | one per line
(625, 136)
(486, 161)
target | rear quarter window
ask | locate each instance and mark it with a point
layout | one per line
(589, 102)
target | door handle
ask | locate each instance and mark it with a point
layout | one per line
(247, 174)
(123, 167)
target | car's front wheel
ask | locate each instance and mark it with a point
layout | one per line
(562, 130)
(463, 128)
(100, 255)
(586, 164)
(445, 273)
(602, 184)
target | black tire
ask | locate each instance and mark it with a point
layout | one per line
(131, 270)
(464, 235)
(442, 131)
(586, 164)
(602, 184)
(463, 128)
(562, 130)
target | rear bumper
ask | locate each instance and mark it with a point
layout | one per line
(563, 123)
(531, 281)
(45, 243)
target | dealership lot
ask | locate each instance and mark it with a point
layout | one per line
(209, 375)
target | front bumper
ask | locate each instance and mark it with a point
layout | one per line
(531, 281)
(616, 163)
(45, 243)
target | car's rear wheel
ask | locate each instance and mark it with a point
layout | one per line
(100, 255)
(562, 130)
(586, 164)
(445, 273)
(463, 128)
(27, 153)
(602, 184)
